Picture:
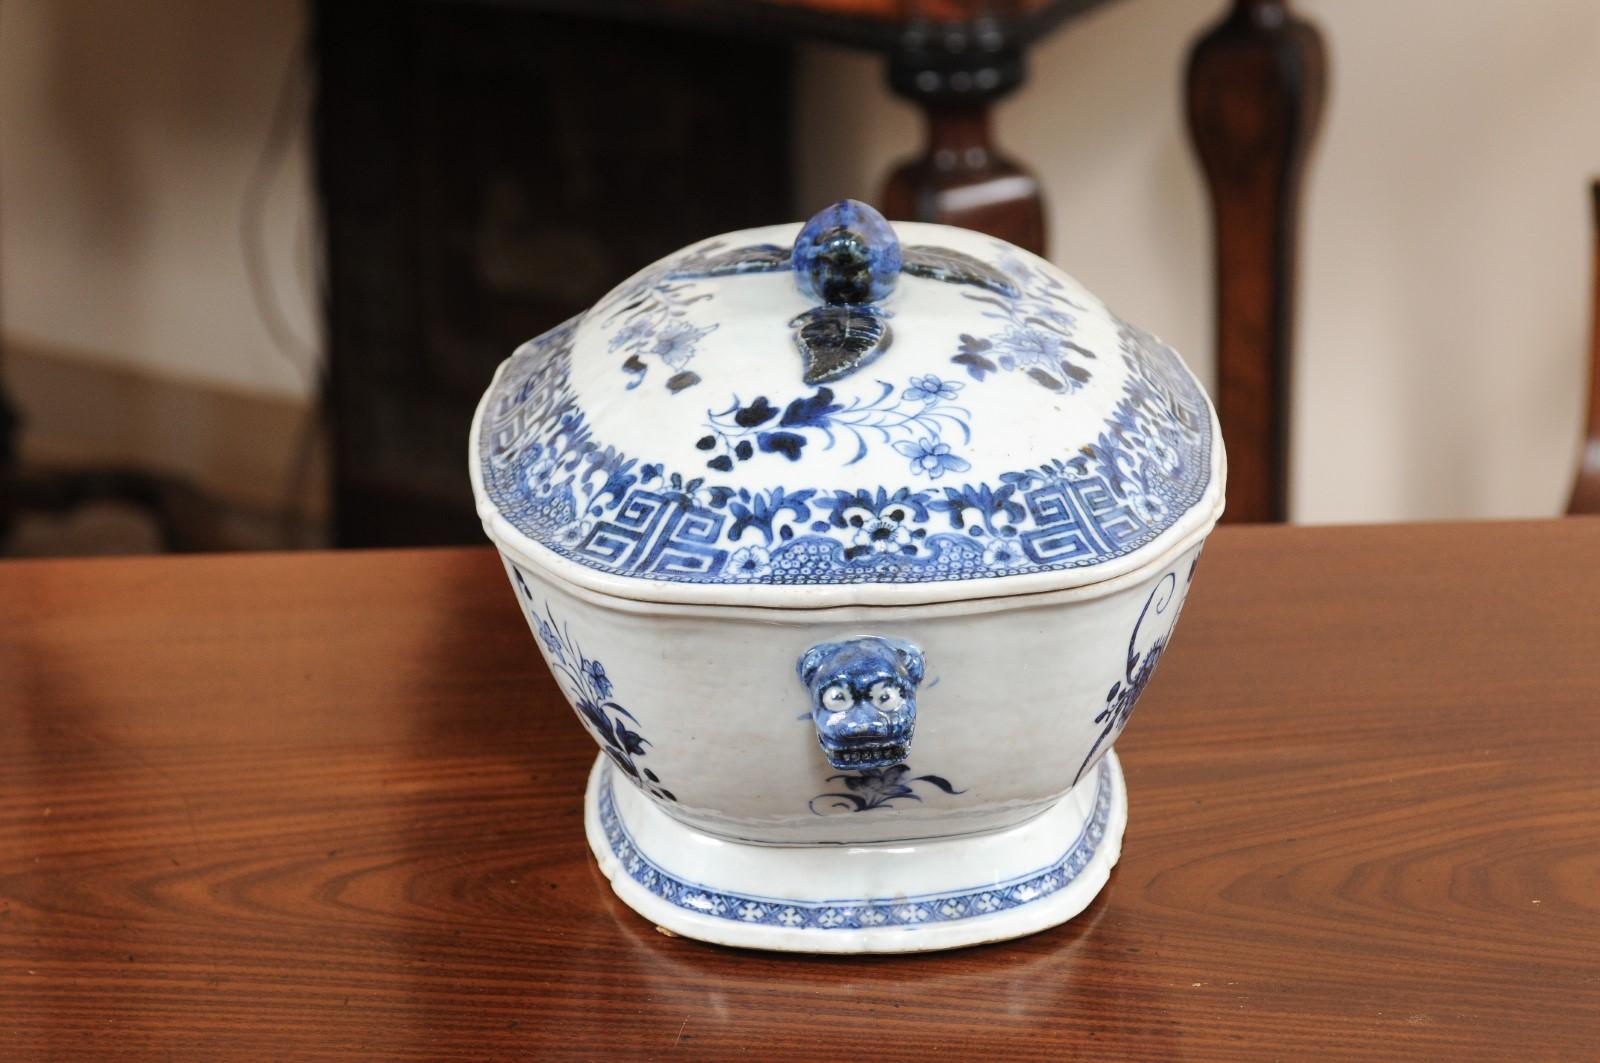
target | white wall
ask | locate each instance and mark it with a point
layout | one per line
(1445, 248)
(128, 133)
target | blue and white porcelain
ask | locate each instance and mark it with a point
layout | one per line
(853, 545)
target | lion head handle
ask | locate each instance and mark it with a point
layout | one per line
(863, 699)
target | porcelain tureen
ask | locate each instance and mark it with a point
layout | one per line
(853, 546)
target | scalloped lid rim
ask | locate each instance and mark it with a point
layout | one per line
(1106, 577)
(855, 421)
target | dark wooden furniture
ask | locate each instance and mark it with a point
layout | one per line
(326, 806)
(952, 59)
(1255, 88)
(485, 172)
(1586, 489)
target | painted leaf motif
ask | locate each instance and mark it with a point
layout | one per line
(810, 412)
(756, 258)
(1040, 377)
(757, 413)
(956, 267)
(786, 443)
(835, 341)
(630, 740)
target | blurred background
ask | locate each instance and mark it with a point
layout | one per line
(258, 258)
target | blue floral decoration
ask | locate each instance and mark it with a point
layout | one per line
(547, 474)
(648, 322)
(1038, 333)
(860, 913)
(750, 562)
(931, 458)
(590, 689)
(873, 788)
(745, 429)
(1139, 666)
(929, 388)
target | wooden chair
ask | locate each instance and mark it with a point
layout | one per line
(1255, 89)
(1586, 490)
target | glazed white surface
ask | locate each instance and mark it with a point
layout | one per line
(1014, 423)
(925, 896)
(1006, 713)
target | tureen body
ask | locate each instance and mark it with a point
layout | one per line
(853, 546)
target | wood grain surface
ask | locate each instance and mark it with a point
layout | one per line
(1254, 92)
(327, 806)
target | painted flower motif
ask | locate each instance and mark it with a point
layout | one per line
(575, 533)
(873, 788)
(791, 917)
(637, 329)
(750, 562)
(541, 472)
(590, 690)
(881, 784)
(883, 535)
(597, 676)
(1060, 318)
(1149, 508)
(1162, 453)
(830, 917)
(751, 912)
(930, 388)
(932, 458)
(1003, 552)
(676, 343)
(1029, 346)
(551, 640)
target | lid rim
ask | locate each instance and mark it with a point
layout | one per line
(807, 597)
(1193, 527)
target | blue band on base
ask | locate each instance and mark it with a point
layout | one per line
(861, 913)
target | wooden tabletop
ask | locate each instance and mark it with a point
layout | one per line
(327, 806)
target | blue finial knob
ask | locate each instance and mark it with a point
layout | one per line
(846, 255)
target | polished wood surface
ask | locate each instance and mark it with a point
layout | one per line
(962, 178)
(1586, 488)
(327, 807)
(1255, 87)
(879, 25)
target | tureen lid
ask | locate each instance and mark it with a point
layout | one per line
(846, 412)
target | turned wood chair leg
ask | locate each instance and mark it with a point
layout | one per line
(1255, 89)
(954, 74)
(1586, 490)
(10, 429)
